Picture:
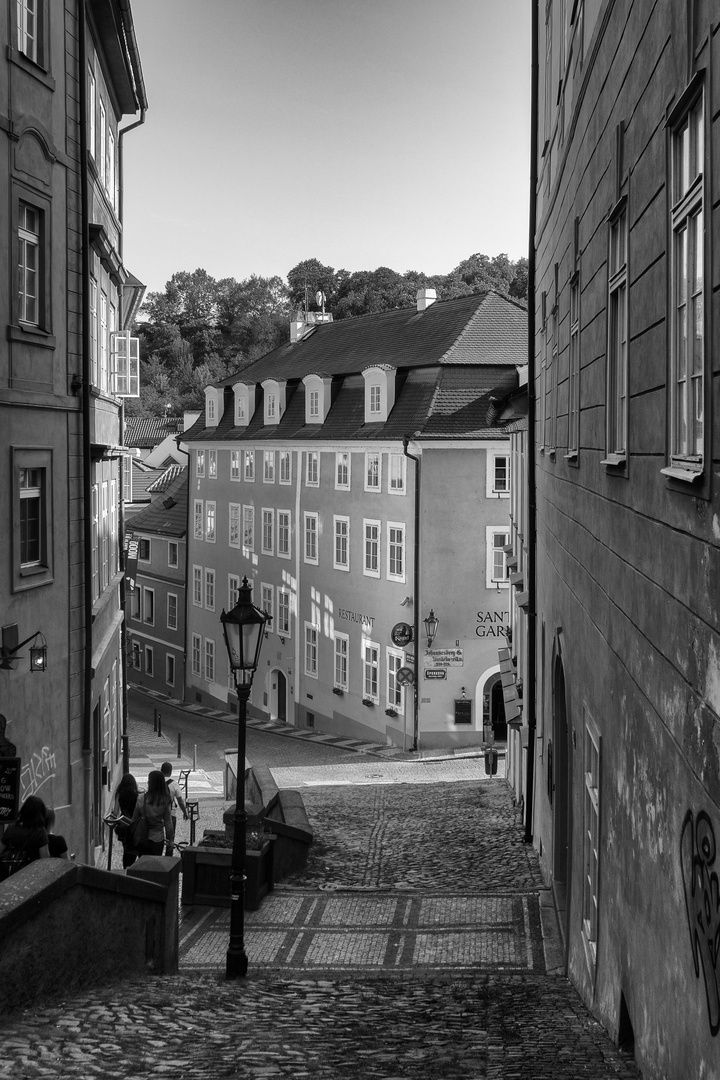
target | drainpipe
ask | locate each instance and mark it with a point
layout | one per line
(86, 444)
(187, 564)
(531, 696)
(416, 591)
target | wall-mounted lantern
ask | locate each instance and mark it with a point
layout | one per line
(11, 645)
(431, 627)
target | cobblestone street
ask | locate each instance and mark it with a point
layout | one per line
(418, 943)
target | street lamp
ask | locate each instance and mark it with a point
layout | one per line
(431, 627)
(243, 630)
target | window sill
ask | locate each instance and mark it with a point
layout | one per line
(572, 455)
(614, 460)
(688, 474)
(32, 68)
(31, 335)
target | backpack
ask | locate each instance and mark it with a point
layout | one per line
(12, 860)
(138, 834)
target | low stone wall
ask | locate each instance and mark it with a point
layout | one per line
(65, 926)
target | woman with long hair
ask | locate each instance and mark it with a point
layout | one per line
(126, 796)
(154, 805)
(27, 839)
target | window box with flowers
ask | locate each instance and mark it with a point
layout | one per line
(391, 712)
(369, 702)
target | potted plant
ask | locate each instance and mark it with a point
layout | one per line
(206, 869)
(369, 702)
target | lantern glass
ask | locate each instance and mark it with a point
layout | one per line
(38, 658)
(243, 628)
(431, 626)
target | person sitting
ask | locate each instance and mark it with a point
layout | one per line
(56, 844)
(27, 838)
(154, 805)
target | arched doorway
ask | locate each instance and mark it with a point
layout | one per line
(278, 695)
(562, 790)
(489, 706)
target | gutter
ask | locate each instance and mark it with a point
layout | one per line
(531, 455)
(416, 591)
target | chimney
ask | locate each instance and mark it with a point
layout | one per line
(425, 297)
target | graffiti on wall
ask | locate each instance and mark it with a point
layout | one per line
(698, 851)
(37, 771)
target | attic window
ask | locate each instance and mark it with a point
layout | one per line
(244, 403)
(274, 401)
(211, 409)
(375, 401)
(314, 403)
(379, 393)
(317, 398)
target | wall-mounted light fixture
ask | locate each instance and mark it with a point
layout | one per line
(11, 645)
(406, 601)
(431, 627)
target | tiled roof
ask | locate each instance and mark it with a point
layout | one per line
(143, 476)
(167, 515)
(146, 432)
(166, 478)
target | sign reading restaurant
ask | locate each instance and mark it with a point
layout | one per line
(356, 616)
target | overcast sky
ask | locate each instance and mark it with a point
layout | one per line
(363, 133)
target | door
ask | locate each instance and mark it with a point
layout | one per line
(281, 696)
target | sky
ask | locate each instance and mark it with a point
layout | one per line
(362, 133)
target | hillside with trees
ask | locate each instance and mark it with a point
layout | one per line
(200, 329)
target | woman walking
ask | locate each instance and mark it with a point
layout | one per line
(154, 806)
(126, 796)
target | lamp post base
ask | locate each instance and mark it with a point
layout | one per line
(236, 964)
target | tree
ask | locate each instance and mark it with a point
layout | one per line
(308, 278)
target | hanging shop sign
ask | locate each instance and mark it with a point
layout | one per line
(401, 634)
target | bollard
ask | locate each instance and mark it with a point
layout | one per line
(159, 726)
(179, 744)
(154, 719)
(195, 758)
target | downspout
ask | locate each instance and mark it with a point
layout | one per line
(416, 591)
(187, 565)
(532, 505)
(86, 442)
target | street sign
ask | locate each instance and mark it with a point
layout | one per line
(435, 673)
(405, 676)
(401, 634)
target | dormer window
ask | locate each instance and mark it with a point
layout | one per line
(317, 398)
(379, 393)
(244, 403)
(213, 398)
(274, 401)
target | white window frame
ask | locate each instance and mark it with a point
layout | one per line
(284, 532)
(392, 546)
(314, 405)
(373, 456)
(368, 554)
(233, 590)
(375, 399)
(284, 626)
(197, 586)
(343, 459)
(341, 532)
(209, 584)
(394, 693)
(235, 466)
(310, 518)
(267, 539)
(574, 369)
(492, 491)
(209, 656)
(371, 670)
(492, 531)
(173, 545)
(268, 466)
(169, 669)
(199, 518)
(29, 264)
(212, 465)
(148, 606)
(248, 527)
(341, 661)
(200, 463)
(397, 478)
(172, 623)
(149, 661)
(210, 521)
(312, 641)
(196, 655)
(312, 468)
(285, 458)
(234, 525)
(267, 601)
(249, 466)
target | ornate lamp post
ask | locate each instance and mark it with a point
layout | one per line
(243, 630)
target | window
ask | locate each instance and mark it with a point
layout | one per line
(312, 468)
(341, 660)
(394, 689)
(144, 553)
(210, 408)
(617, 350)
(149, 606)
(268, 466)
(31, 515)
(92, 122)
(501, 474)
(200, 463)
(197, 586)
(27, 26)
(172, 553)
(110, 170)
(314, 404)
(149, 665)
(342, 470)
(372, 472)
(210, 522)
(233, 590)
(396, 474)
(170, 670)
(283, 612)
(375, 399)
(396, 551)
(285, 467)
(591, 840)
(311, 538)
(342, 543)
(496, 540)
(249, 466)
(102, 132)
(94, 348)
(172, 608)
(197, 655)
(311, 650)
(95, 541)
(212, 462)
(371, 666)
(144, 549)
(371, 565)
(249, 528)
(210, 590)
(234, 464)
(32, 518)
(113, 529)
(687, 351)
(103, 340)
(574, 369)
(283, 534)
(271, 405)
(198, 518)
(268, 531)
(29, 264)
(209, 660)
(234, 525)
(135, 604)
(266, 600)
